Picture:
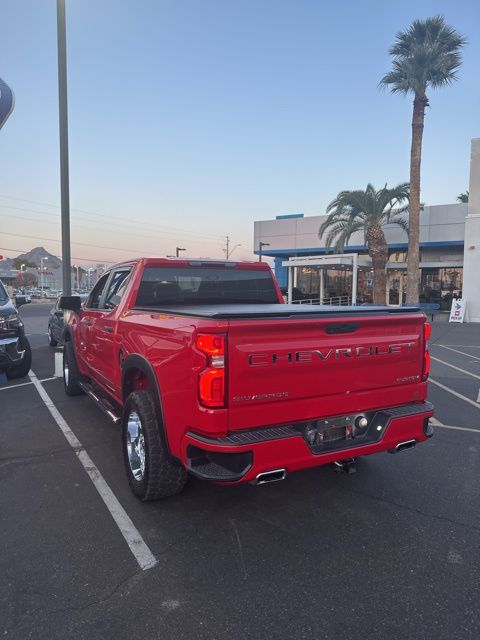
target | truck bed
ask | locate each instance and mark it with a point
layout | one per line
(232, 311)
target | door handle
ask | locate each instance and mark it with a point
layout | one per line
(108, 329)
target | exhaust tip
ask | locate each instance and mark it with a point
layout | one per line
(401, 446)
(271, 476)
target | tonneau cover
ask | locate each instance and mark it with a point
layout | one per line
(231, 311)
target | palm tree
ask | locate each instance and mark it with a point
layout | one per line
(367, 211)
(426, 55)
(463, 197)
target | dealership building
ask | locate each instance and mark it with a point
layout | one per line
(449, 255)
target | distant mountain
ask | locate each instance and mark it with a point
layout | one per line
(6, 263)
(35, 255)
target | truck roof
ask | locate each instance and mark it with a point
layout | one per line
(193, 262)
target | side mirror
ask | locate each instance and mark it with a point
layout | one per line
(58, 313)
(19, 300)
(70, 303)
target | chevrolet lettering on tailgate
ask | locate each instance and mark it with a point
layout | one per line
(261, 359)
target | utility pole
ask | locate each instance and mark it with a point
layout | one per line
(63, 129)
(227, 250)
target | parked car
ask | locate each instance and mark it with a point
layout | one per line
(22, 298)
(211, 374)
(56, 324)
(15, 351)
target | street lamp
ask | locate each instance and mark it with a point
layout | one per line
(41, 269)
(177, 251)
(23, 265)
(260, 246)
(75, 266)
(235, 246)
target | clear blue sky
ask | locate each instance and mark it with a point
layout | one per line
(197, 117)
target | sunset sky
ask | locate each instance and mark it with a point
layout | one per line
(189, 120)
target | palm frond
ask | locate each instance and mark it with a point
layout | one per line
(426, 54)
(400, 221)
(358, 210)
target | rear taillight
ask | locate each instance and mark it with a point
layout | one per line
(211, 381)
(427, 330)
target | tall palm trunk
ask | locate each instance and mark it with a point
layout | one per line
(378, 251)
(413, 258)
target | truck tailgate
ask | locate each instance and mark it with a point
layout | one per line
(282, 370)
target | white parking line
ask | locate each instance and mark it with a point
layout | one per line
(437, 423)
(456, 351)
(448, 426)
(447, 364)
(133, 538)
(24, 384)
(454, 393)
(468, 346)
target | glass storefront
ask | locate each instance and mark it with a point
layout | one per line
(437, 285)
(337, 283)
(365, 285)
(440, 285)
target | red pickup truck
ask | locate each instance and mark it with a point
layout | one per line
(211, 374)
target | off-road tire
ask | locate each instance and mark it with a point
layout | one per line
(72, 379)
(162, 476)
(51, 340)
(21, 369)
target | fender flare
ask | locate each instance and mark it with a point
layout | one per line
(135, 361)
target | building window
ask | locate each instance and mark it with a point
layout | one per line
(441, 285)
(398, 256)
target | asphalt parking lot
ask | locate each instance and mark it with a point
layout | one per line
(390, 552)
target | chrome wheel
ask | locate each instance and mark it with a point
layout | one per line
(135, 446)
(66, 374)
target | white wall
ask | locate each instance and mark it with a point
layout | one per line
(471, 258)
(439, 223)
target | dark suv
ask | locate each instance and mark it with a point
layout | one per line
(56, 324)
(15, 352)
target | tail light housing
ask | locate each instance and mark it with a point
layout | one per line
(427, 330)
(211, 381)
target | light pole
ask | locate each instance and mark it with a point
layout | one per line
(75, 266)
(229, 250)
(41, 269)
(63, 130)
(260, 246)
(177, 251)
(22, 277)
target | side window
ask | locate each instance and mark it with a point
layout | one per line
(94, 298)
(117, 287)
